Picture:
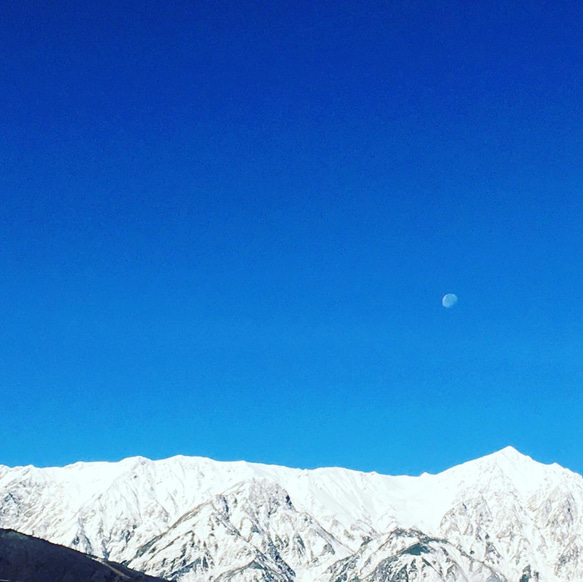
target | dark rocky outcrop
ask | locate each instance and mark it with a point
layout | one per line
(25, 558)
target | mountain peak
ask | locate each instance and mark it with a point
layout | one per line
(511, 454)
(506, 458)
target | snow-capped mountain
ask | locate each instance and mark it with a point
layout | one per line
(501, 518)
(263, 527)
(411, 555)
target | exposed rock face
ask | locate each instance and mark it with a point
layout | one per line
(405, 555)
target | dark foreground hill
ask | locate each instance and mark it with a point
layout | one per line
(27, 559)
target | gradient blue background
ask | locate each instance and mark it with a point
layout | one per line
(226, 228)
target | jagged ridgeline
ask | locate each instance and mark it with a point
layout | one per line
(501, 518)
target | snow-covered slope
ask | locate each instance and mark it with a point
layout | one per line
(411, 555)
(501, 517)
(262, 526)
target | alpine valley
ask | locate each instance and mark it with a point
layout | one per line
(500, 518)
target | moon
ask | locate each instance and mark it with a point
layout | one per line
(449, 300)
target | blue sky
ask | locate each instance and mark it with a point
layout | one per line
(226, 229)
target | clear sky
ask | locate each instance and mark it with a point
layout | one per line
(226, 229)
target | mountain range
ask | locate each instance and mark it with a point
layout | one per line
(500, 518)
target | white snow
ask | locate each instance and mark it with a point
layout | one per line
(505, 510)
